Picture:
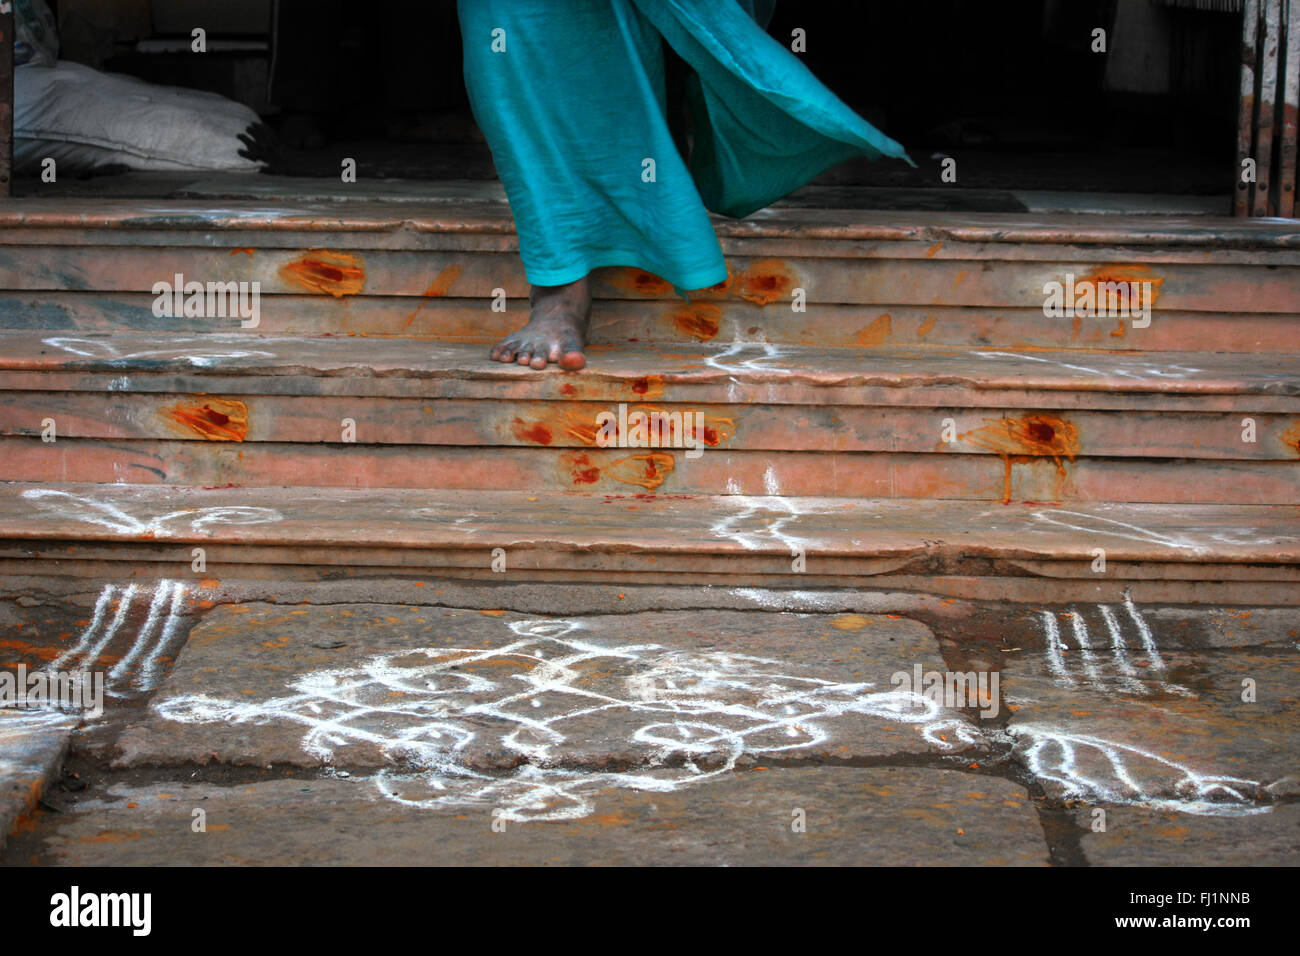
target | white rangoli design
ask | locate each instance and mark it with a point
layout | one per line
(677, 718)
(691, 716)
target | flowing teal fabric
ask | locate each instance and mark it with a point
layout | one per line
(570, 95)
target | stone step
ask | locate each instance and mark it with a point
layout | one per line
(1004, 477)
(742, 373)
(901, 429)
(737, 540)
(870, 278)
(32, 746)
(623, 471)
(623, 322)
(382, 412)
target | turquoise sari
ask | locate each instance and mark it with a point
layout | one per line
(571, 97)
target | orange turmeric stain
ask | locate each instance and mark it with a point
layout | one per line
(247, 252)
(607, 820)
(849, 622)
(110, 836)
(584, 473)
(700, 321)
(765, 281)
(1101, 281)
(718, 429)
(640, 282)
(217, 419)
(327, 273)
(27, 822)
(30, 650)
(534, 432)
(648, 386)
(925, 327)
(1291, 438)
(875, 333)
(580, 424)
(648, 471)
(442, 282)
(933, 250)
(436, 290)
(1018, 440)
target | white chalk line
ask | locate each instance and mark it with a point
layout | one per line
(1132, 370)
(744, 357)
(106, 514)
(1053, 755)
(155, 636)
(201, 357)
(1091, 661)
(756, 521)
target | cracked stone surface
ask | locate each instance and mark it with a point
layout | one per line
(887, 816)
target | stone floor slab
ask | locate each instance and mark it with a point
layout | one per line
(880, 816)
(1113, 715)
(1137, 836)
(540, 713)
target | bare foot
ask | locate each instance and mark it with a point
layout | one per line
(556, 330)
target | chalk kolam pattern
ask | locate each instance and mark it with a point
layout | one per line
(139, 668)
(1123, 658)
(691, 716)
(1106, 661)
(1084, 767)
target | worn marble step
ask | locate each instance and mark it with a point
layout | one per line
(382, 412)
(621, 322)
(742, 373)
(870, 278)
(1040, 476)
(953, 423)
(735, 540)
(1068, 434)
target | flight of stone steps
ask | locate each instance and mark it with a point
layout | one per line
(884, 403)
